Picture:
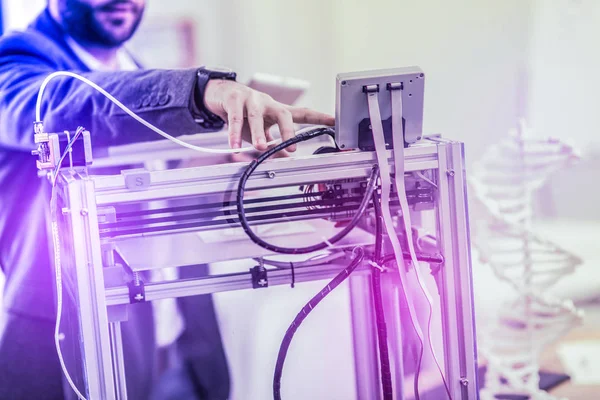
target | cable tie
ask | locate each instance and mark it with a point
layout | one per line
(293, 275)
(375, 265)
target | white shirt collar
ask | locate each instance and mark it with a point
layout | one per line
(124, 60)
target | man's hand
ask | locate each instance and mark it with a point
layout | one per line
(250, 114)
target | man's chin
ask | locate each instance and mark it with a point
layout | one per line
(115, 33)
(114, 39)
(110, 37)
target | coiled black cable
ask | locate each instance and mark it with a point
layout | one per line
(384, 359)
(298, 250)
(289, 334)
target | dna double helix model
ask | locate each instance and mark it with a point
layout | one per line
(501, 188)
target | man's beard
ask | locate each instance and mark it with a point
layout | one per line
(80, 22)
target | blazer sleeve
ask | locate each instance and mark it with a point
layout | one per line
(162, 97)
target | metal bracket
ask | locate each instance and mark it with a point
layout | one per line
(52, 145)
(260, 280)
(137, 291)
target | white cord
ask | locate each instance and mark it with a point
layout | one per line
(133, 115)
(59, 300)
(378, 137)
(375, 265)
(397, 111)
(386, 184)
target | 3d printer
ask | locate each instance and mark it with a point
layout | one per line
(385, 204)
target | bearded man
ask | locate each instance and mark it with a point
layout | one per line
(87, 37)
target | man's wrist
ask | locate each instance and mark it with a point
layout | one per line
(202, 114)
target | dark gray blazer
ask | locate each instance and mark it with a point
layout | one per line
(160, 96)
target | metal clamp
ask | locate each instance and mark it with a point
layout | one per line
(137, 290)
(260, 280)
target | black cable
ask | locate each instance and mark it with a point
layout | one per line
(289, 335)
(384, 358)
(300, 250)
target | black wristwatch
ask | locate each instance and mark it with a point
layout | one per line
(206, 118)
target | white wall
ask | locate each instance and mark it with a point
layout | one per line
(564, 88)
(564, 65)
(18, 14)
(200, 12)
(472, 52)
(288, 38)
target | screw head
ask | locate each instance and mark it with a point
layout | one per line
(271, 174)
(450, 173)
(84, 212)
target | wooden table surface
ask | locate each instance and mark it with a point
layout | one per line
(551, 362)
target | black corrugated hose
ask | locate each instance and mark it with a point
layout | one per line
(289, 335)
(384, 359)
(298, 250)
